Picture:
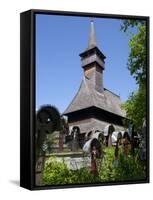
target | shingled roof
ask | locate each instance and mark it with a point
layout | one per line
(87, 97)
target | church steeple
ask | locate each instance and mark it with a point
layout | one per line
(92, 36)
(92, 60)
(93, 106)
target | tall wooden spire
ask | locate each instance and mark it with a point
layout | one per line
(92, 35)
(93, 61)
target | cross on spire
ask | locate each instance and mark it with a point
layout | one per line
(92, 35)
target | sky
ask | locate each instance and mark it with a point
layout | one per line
(60, 40)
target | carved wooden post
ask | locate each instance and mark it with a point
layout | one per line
(116, 153)
(94, 170)
(47, 121)
(109, 140)
(61, 141)
(75, 139)
(126, 146)
(39, 170)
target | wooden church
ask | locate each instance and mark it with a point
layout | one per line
(94, 107)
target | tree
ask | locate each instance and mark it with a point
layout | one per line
(135, 106)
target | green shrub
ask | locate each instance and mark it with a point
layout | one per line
(57, 173)
(129, 168)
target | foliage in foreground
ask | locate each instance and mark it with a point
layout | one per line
(130, 168)
(58, 173)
